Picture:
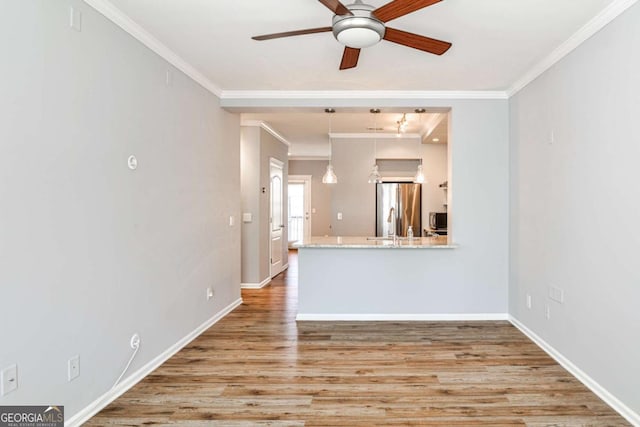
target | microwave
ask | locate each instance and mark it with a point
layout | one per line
(438, 220)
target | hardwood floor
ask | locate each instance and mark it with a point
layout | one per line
(258, 367)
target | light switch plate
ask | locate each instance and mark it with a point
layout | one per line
(232, 221)
(75, 19)
(8, 380)
(73, 368)
(556, 294)
(339, 216)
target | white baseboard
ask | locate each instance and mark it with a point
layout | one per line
(399, 317)
(97, 405)
(260, 285)
(590, 383)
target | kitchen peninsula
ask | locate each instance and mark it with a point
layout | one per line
(436, 242)
(360, 278)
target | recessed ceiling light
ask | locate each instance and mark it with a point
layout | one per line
(436, 139)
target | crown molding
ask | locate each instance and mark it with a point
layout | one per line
(616, 8)
(111, 12)
(268, 128)
(360, 94)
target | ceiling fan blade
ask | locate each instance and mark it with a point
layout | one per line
(292, 33)
(437, 47)
(397, 8)
(336, 7)
(349, 58)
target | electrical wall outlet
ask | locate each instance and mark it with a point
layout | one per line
(339, 216)
(134, 342)
(209, 293)
(73, 368)
(529, 301)
(8, 380)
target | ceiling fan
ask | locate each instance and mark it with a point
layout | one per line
(360, 25)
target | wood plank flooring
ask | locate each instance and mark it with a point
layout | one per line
(257, 367)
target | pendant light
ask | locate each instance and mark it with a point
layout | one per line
(419, 176)
(374, 175)
(329, 176)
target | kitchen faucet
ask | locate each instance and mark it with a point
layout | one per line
(391, 219)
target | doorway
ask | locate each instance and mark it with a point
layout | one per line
(276, 219)
(299, 203)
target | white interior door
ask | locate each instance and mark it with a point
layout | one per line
(276, 220)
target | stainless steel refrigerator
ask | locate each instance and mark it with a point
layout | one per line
(398, 204)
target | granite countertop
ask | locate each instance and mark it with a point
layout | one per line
(439, 242)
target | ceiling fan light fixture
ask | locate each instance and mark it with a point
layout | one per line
(358, 37)
(359, 30)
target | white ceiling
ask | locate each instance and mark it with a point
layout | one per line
(495, 42)
(497, 45)
(308, 132)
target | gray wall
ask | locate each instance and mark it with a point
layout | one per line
(257, 148)
(91, 252)
(575, 204)
(320, 193)
(250, 189)
(353, 196)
